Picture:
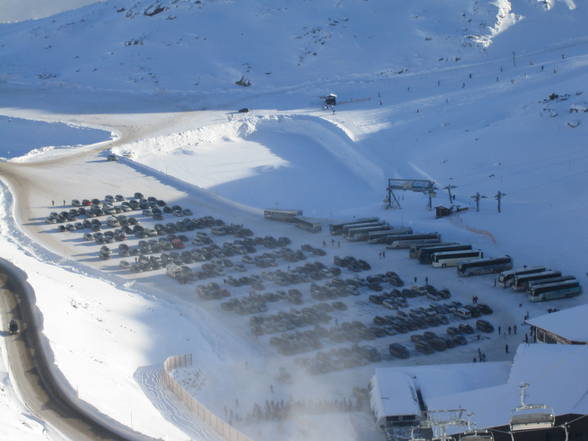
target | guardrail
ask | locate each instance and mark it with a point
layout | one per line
(221, 427)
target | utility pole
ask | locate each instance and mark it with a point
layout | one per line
(477, 198)
(449, 188)
(499, 197)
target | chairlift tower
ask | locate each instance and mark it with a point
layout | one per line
(498, 197)
(449, 188)
(477, 198)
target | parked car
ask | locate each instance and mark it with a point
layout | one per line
(484, 326)
(398, 351)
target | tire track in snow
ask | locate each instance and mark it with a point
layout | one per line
(150, 379)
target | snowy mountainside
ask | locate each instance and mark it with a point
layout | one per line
(199, 45)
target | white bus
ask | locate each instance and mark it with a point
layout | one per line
(406, 240)
(536, 283)
(521, 282)
(377, 236)
(338, 228)
(348, 228)
(454, 258)
(557, 290)
(362, 233)
(415, 249)
(425, 255)
(484, 266)
(281, 215)
(506, 278)
(408, 243)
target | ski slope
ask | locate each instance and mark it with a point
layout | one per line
(485, 96)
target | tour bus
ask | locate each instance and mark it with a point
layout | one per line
(405, 241)
(506, 278)
(415, 249)
(521, 282)
(484, 266)
(408, 243)
(282, 215)
(338, 228)
(347, 228)
(309, 225)
(362, 233)
(376, 236)
(557, 290)
(454, 258)
(425, 255)
(536, 283)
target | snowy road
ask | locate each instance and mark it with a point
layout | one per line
(29, 367)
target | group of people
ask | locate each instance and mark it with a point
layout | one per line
(280, 410)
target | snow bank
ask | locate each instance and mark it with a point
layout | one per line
(267, 161)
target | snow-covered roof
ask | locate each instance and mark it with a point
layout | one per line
(393, 393)
(569, 323)
(394, 389)
(556, 378)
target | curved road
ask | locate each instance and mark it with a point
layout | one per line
(29, 365)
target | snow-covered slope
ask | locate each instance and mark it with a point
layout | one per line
(486, 96)
(200, 45)
(21, 10)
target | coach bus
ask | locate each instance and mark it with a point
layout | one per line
(506, 278)
(338, 228)
(425, 255)
(536, 283)
(484, 266)
(348, 228)
(362, 233)
(405, 241)
(454, 258)
(282, 215)
(521, 282)
(375, 236)
(415, 249)
(557, 290)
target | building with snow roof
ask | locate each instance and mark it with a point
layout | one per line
(556, 375)
(399, 396)
(566, 327)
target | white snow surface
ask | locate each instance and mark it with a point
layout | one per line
(25, 139)
(456, 92)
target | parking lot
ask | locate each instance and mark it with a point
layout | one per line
(311, 302)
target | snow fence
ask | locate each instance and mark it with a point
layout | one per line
(224, 429)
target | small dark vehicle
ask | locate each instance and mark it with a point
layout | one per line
(399, 351)
(13, 327)
(484, 326)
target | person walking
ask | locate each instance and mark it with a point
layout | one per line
(52, 203)
(499, 330)
(509, 330)
(514, 329)
(506, 348)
